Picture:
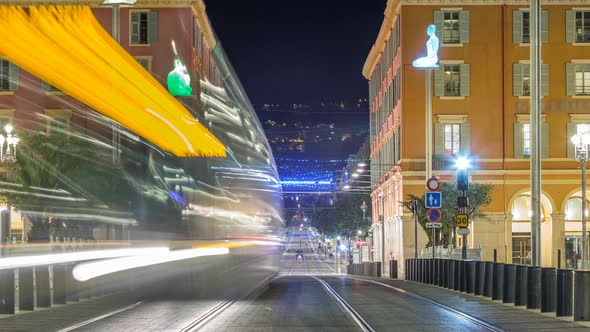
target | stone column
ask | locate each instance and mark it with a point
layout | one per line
(558, 238)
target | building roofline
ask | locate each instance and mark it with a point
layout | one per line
(96, 3)
(384, 33)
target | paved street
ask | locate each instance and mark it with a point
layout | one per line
(307, 295)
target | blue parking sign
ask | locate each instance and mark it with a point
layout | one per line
(433, 199)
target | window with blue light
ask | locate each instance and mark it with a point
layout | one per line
(526, 140)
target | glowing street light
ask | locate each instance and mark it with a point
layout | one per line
(581, 142)
(462, 163)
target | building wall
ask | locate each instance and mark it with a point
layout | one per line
(491, 110)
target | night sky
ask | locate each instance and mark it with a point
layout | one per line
(298, 51)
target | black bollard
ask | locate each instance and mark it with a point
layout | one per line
(462, 276)
(441, 272)
(26, 287)
(9, 291)
(445, 273)
(377, 270)
(59, 284)
(495, 256)
(451, 283)
(559, 258)
(509, 283)
(470, 277)
(521, 294)
(548, 289)
(498, 283)
(582, 297)
(564, 292)
(479, 277)
(457, 275)
(534, 287)
(393, 269)
(488, 279)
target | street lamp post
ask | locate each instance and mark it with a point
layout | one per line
(581, 142)
(8, 145)
(463, 202)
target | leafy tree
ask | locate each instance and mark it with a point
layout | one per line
(345, 218)
(480, 196)
(60, 173)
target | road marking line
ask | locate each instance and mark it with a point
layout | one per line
(95, 319)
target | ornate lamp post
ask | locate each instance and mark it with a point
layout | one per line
(581, 142)
(8, 145)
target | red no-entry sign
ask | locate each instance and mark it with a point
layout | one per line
(433, 184)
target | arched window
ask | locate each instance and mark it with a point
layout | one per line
(521, 208)
(573, 207)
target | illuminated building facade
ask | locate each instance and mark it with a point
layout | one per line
(146, 33)
(480, 108)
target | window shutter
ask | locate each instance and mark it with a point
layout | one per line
(544, 26)
(518, 140)
(464, 25)
(517, 26)
(438, 22)
(464, 73)
(465, 139)
(152, 27)
(544, 79)
(517, 79)
(570, 26)
(544, 140)
(570, 79)
(12, 76)
(572, 129)
(134, 27)
(438, 81)
(439, 139)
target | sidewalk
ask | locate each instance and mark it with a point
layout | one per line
(505, 316)
(60, 317)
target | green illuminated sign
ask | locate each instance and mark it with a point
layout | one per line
(179, 81)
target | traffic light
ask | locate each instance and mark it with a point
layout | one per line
(462, 179)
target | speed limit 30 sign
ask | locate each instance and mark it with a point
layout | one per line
(462, 221)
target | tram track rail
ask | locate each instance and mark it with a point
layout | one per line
(472, 319)
(356, 317)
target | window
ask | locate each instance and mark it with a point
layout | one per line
(526, 140)
(521, 27)
(521, 77)
(8, 76)
(451, 30)
(48, 87)
(144, 27)
(526, 37)
(523, 137)
(582, 72)
(582, 128)
(452, 26)
(582, 26)
(452, 80)
(4, 76)
(452, 139)
(145, 62)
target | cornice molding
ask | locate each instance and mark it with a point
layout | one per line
(489, 2)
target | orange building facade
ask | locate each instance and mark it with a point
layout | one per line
(480, 107)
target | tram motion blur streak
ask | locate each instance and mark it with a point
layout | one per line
(87, 271)
(68, 48)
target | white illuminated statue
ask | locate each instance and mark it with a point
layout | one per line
(432, 45)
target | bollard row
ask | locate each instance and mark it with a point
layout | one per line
(367, 269)
(549, 289)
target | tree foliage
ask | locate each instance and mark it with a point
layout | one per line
(346, 217)
(480, 196)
